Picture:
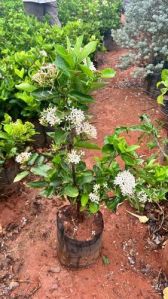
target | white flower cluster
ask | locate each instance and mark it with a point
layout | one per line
(96, 188)
(142, 196)
(89, 64)
(126, 181)
(94, 197)
(43, 53)
(77, 119)
(46, 75)
(87, 129)
(74, 156)
(23, 157)
(49, 117)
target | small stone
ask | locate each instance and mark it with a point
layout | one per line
(54, 287)
(55, 269)
(131, 260)
(13, 285)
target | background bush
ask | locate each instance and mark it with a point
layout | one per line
(103, 15)
(146, 34)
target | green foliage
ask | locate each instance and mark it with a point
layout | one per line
(13, 137)
(62, 175)
(145, 34)
(164, 87)
(23, 96)
(101, 15)
(25, 45)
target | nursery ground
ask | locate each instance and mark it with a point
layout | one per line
(29, 267)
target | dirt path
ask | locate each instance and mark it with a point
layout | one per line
(28, 255)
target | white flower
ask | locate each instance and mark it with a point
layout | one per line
(105, 185)
(48, 117)
(23, 157)
(96, 188)
(142, 196)
(74, 157)
(76, 117)
(94, 197)
(77, 120)
(89, 64)
(126, 181)
(88, 129)
(46, 75)
(43, 53)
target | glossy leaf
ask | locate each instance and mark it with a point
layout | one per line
(21, 176)
(71, 191)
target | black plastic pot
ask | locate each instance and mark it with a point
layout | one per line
(7, 175)
(151, 84)
(108, 41)
(41, 139)
(73, 253)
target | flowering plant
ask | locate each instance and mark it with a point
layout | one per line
(138, 178)
(121, 173)
(61, 168)
(13, 137)
(66, 82)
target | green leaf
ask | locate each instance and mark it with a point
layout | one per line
(48, 192)
(60, 136)
(19, 73)
(41, 170)
(3, 135)
(62, 65)
(65, 55)
(108, 148)
(160, 99)
(87, 145)
(38, 184)
(71, 191)
(26, 87)
(106, 260)
(113, 203)
(57, 159)
(85, 178)
(164, 75)
(87, 50)
(132, 148)
(93, 207)
(78, 45)
(21, 176)
(33, 159)
(84, 200)
(108, 73)
(81, 98)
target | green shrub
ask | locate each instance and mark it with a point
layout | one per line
(145, 33)
(13, 137)
(101, 15)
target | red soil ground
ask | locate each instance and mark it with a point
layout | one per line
(29, 267)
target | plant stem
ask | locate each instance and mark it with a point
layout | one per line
(78, 213)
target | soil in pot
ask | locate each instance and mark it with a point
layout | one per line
(79, 244)
(7, 174)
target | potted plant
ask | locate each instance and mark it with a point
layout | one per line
(13, 138)
(62, 171)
